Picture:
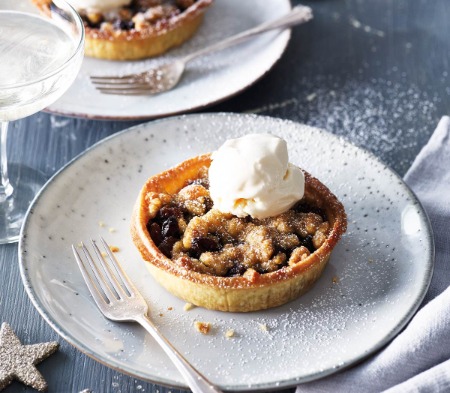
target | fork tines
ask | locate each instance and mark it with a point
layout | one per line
(127, 90)
(152, 81)
(103, 274)
(112, 79)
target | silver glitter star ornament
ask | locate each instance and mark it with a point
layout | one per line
(18, 361)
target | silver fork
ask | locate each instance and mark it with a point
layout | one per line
(119, 300)
(165, 77)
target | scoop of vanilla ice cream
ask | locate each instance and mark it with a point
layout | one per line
(98, 5)
(252, 176)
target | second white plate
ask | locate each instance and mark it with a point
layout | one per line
(208, 80)
(375, 281)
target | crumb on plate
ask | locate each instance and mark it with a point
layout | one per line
(188, 306)
(202, 327)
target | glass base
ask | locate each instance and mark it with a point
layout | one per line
(26, 182)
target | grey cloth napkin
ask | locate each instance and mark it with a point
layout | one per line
(418, 359)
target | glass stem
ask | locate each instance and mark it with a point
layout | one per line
(6, 189)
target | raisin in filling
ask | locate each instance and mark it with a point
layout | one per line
(188, 230)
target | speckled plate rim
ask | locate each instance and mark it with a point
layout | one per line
(276, 385)
(275, 53)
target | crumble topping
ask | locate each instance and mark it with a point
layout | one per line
(138, 15)
(187, 229)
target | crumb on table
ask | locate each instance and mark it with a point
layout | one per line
(229, 333)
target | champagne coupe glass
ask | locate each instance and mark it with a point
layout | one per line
(41, 50)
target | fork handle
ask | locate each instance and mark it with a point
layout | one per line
(297, 15)
(197, 382)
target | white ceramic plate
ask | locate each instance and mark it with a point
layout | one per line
(375, 281)
(208, 80)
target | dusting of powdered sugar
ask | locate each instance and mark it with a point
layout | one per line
(390, 119)
(366, 28)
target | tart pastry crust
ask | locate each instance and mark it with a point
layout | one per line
(149, 41)
(247, 292)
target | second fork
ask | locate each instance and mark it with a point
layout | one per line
(165, 77)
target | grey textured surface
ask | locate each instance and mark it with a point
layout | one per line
(375, 72)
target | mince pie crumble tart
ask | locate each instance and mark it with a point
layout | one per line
(141, 29)
(223, 262)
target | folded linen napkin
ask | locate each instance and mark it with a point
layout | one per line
(417, 360)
